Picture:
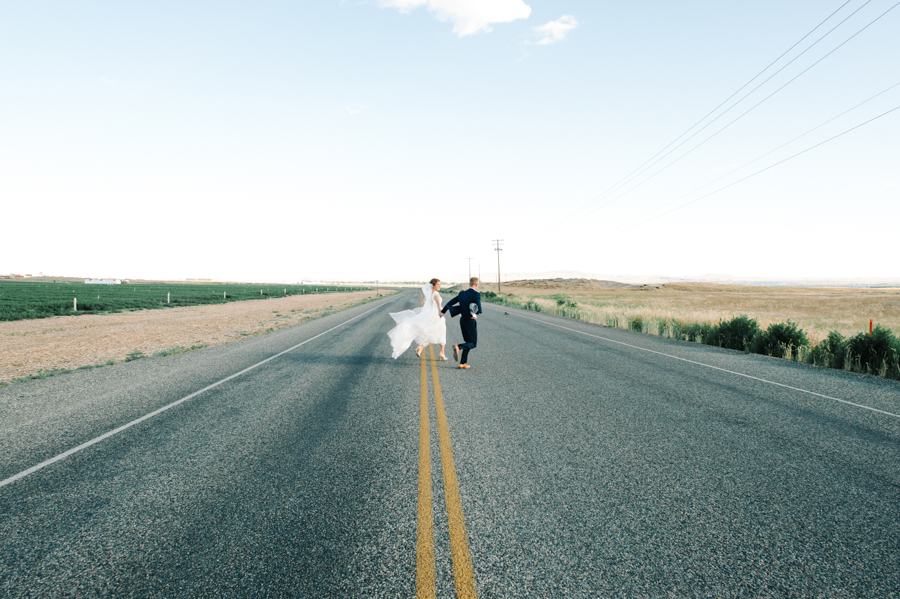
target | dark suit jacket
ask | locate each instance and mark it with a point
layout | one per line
(461, 303)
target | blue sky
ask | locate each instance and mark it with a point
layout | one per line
(395, 139)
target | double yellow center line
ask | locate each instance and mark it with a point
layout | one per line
(463, 574)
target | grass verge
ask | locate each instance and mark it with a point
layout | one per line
(877, 353)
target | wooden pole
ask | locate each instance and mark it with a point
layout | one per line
(498, 250)
(870, 327)
(75, 304)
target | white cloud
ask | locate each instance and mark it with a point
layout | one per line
(354, 110)
(555, 31)
(467, 16)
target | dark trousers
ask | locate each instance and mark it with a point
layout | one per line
(470, 336)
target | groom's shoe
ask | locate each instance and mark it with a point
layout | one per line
(456, 353)
(464, 366)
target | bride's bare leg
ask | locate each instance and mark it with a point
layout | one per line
(442, 353)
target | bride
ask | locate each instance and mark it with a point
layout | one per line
(423, 325)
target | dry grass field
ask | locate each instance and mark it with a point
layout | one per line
(817, 310)
(39, 347)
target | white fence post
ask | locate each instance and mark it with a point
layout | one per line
(168, 296)
(75, 304)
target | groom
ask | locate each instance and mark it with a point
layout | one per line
(469, 305)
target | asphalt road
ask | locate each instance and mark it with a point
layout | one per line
(588, 462)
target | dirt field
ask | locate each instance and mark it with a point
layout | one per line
(817, 310)
(69, 342)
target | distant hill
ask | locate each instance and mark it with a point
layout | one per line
(518, 278)
(577, 283)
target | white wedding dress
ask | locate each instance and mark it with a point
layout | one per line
(423, 325)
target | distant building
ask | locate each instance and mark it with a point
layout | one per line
(102, 282)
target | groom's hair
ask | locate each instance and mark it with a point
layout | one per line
(473, 281)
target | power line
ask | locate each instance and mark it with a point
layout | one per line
(745, 96)
(742, 115)
(641, 168)
(783, 54)
(754, 174)
(761, 156)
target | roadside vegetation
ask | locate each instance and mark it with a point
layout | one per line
(877, 354)
(18, 359)
(21, 300)
(47, 373)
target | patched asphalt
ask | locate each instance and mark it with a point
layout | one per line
(587, 468)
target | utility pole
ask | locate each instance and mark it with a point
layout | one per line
(470, 268)
(497, 249)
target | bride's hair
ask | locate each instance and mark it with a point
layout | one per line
(433, 281)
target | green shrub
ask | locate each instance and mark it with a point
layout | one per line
(876, 354)
(532, 305)
(698, 332)
(779, 339)
(831, 352)
(736, 333)
(670, 329)
(489, 295)
(636, 324)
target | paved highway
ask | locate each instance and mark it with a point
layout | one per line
(571, 460)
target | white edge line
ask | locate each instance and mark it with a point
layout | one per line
(116, 431)
(850, 403)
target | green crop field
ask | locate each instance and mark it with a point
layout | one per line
(20, 300)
